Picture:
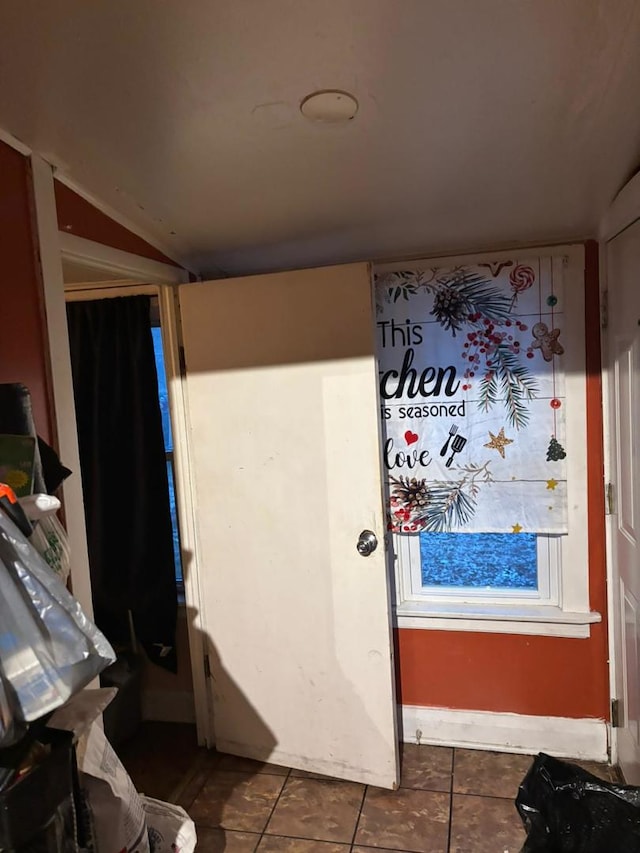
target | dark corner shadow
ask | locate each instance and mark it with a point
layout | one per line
(221, 777)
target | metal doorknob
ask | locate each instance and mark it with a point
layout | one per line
(367, 543)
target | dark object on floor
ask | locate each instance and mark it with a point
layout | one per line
(37, 812)
(567, 810)
(162, 758)
(123, 715)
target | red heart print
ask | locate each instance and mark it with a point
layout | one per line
(411, 437)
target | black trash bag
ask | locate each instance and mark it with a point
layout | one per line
(565, 809)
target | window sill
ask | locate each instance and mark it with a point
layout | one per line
(536, 619)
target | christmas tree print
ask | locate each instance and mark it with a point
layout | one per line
(555, 451)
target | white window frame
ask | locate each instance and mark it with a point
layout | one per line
(560, 606)
(410, 577)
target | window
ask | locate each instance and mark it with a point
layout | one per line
(479, 561)
(473, 567)
(168, 446)
(518, 561)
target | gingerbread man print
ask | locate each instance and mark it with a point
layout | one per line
(546, 341)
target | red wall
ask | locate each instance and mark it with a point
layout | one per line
(23, 341)
(23, 338)
(526, 674)
(79, 217)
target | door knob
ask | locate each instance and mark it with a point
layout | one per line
(367, 543)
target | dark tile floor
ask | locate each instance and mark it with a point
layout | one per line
(159, 757)
(450, 801)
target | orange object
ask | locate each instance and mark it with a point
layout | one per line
(7, 492)
(9, 503)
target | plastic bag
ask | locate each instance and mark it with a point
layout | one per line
(49, 537)
(565, 809)
(48, 648)
(117, 812)
(171, 830)
(50, 540)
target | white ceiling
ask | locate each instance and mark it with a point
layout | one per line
(481, 122)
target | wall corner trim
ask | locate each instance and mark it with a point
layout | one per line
(623, 210)
(563, 737)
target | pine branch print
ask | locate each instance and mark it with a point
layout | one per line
(464, 297)
(488, 391)
(452, 504)
(515, 382)
(480, 296)
(448, 505)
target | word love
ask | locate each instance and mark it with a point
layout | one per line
(405, 458)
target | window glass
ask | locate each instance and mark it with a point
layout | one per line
(168, 446)
(162, 388)
(479, 560)
(174, 521)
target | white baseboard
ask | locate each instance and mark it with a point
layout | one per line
(168, 706)
(560, 736)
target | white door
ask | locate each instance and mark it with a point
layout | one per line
(282, 409)
(623, 268)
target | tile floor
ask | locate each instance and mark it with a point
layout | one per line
(450, 801)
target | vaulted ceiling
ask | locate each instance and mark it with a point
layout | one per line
(481, 123)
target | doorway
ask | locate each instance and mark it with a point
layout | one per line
(165, 696)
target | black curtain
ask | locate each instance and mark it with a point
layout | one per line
(124, 473)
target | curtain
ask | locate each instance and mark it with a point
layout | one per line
(472, 397)
(124, 473)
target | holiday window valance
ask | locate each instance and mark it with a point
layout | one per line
(472, 397)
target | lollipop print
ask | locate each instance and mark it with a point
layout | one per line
(521, 278)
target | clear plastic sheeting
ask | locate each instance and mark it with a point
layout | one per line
(565, 809)
(48, 648)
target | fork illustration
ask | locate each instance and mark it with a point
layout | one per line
(456, 446)
(452, 431)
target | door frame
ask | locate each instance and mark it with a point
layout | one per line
(623, 212)
(142, 275)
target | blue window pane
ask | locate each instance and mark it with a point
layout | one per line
(168, 446)
(162, 388)
(174, 524)
(480, 560)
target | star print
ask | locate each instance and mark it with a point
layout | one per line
(551, 484)
(516, 528)
(498, 442)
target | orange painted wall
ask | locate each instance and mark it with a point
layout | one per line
(525, 674)
(23, 342)
(77, 216)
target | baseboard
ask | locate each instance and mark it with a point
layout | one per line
(168, 706)
(560, 736)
